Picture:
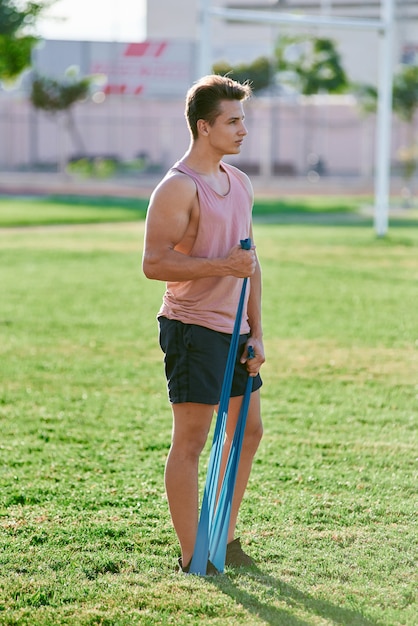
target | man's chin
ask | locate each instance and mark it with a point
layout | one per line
(235, 150)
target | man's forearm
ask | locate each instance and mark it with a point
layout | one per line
(175, 266)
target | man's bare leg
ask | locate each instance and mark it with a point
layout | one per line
(252, 437)
(191, 424)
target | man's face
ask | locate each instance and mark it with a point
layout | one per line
(228, 131)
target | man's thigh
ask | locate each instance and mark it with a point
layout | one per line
(191, 424)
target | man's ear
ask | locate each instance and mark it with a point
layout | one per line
(202, 127)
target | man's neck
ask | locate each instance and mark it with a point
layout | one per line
(202, 162)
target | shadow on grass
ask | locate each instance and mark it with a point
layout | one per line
(238, 584)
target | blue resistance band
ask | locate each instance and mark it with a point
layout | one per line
(212, 529)
(219, 532)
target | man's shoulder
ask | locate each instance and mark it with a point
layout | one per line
(176, 181)
(176, 192)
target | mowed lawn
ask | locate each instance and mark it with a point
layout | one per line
(330, 512)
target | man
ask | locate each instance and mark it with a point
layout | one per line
(196, 218)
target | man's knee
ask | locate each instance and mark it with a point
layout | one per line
(254, 435)
(189, 448)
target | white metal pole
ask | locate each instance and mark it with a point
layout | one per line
(384, 26)
(326, 7)
(270, 17)
(204, 39)
(384, 119)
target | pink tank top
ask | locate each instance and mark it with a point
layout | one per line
(223, 221)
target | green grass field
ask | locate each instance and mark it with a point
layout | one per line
(60, 209)
(330, 512)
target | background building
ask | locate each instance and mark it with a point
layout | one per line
(237, 42)
(138, 110)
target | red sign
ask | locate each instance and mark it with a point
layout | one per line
(149, 68)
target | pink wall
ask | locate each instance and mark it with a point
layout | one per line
(281, 134)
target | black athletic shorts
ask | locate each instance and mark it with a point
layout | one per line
(195, 361)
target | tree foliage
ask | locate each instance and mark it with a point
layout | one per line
(311, 65)
(14, 16)
(257, 73)
(17, 20)
(366, 96)
(405, 106)
(52, 95)
(405, 93)
(15, 55)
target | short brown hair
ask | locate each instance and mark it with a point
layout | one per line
(204, 97)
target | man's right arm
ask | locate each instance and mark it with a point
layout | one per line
(168, 219)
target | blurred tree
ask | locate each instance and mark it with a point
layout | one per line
(257, 73)
(54, 96)
(405, 94)
(405, 106)
(366, 96)
(310, 65)
(17, 20)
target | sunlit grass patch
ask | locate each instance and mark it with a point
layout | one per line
(329, 515)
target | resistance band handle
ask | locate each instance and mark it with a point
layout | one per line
(245, 244)
(250, 352)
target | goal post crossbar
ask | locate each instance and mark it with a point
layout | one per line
(383, 26)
